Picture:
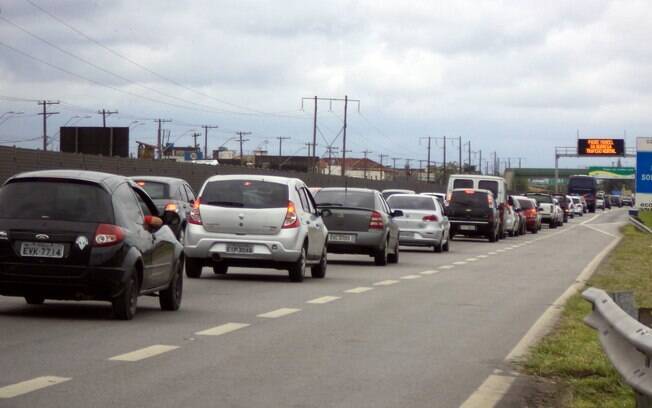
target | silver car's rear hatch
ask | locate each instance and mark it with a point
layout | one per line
(243, 221)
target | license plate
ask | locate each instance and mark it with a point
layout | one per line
(341, 237)
(41, 250)
(239, 249)
(406, 235)
(467, 227)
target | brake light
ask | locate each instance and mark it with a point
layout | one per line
(490, 201)
(171, 207)
(107, 235)
(376, 221)
(194, 217)
(431, 218)
(469, 191)
(291, 217)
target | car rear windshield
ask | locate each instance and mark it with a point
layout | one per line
(56, 200)
(489, 185)
(155, 190)
(576, 200)
(345, 198)
(245, 194)
(469, 198)
(525, 203)
(411, 203)
(541, 198)
(462, 183)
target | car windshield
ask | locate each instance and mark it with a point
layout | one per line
(155, 190)
(345, 198)
(56, 200)
(468, 198)
(411, 203)
(245, 194)
(525, 203)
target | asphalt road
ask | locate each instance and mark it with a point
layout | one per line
(423, 333)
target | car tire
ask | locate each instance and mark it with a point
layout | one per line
(393, 258)
(194, 267)
(447, 245)
(34, 300)
(170, 298)
(438, 247)
(319, 271)
(125, 304)
(552, 224)
(297, 270)
(220, 268)
(493, 236)
(380, 258)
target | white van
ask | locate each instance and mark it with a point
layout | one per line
(496, 185)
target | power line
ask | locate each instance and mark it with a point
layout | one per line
(104, 114)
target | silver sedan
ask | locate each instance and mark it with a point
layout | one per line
(424, 221)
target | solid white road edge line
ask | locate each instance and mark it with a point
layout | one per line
(360, 289)
(24, 387)
(495, 387)
(284, 311)
(144, 353)
(222, 329)
(322, 300)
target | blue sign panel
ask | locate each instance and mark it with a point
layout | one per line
(644, 172)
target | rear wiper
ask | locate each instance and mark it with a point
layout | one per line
(225, 203)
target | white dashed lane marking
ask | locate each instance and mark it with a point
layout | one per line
(471, 259)
(386, 282)
(500, 250)
(144, 353)
(459, 263)
(361, 289)
(14, 390)
(428, 272)
(222, 329)
(447, 267)
(482, 256)
(322, 300)
(284, 311)
(408, 277)
(491, 253)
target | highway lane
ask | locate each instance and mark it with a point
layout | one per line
(428, 340)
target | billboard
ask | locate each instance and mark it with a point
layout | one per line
(600, 147)
(612, 172)
(644, 173)
(107, 141)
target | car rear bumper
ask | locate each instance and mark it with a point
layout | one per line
(364, 242)
(61, 282)
(464, 227)
(420, 237)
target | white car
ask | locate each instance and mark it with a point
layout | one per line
(549, 209)
(256, 221)
(511, 221)
(578, 208)
(423, 223)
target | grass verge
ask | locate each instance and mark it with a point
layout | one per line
(646, 217)
(571, 356)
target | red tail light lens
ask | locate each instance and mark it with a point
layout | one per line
(291, 217)
(430, 218)
(194, 217)
(376, 221)
(107, 235)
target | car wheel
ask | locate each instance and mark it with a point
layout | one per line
(393, 258)
(381, 256)
(319, 271)
(170, 298)
(552, 224)
(125, 304)
(447, 246)
(298, 269)
(34, 300)
(194, 267)
(220, 268)
(493, 236)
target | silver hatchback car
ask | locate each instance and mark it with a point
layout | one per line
(424, 221)
(256, 221)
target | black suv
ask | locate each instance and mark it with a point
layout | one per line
(80, 235)
(473, 212)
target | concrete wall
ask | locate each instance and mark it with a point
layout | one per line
(13, 161)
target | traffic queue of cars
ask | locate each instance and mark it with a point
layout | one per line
(82, 235)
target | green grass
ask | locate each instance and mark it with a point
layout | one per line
(571, 356)
(646, 217)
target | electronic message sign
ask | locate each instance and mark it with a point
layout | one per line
(600, 147)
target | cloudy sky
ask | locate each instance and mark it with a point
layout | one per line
(515, 77)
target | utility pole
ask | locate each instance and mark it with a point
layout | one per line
(206, 127)
(45, 114)
(330, 150)
(486, 167)
(445, 169)
(382, 166)
(158, 137)
(195, 135)
(480, 162)
(280, 144)
(460, 150)
(240, 136)
(428, 162)
(469, 143)
(365, 152)
(343, 167)
(104, 114)
(519, 162)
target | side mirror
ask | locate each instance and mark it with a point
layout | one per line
(324, 213)
(397, 213)
(171, 219)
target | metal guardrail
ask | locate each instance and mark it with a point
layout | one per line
(626, 341)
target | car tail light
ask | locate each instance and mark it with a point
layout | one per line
(376, 221)
(171, 207)
(490, 201)
(291, 217)
(194, 217)
(469, 191)
(107, 235)
(431, 218)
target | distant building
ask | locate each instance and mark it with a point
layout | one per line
(182, 153)
(355, 167)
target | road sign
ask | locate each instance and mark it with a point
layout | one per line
(644, 173)
(600, 147)
(612, 172)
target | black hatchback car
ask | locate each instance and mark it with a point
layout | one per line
(473, 212)
(80, 235)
